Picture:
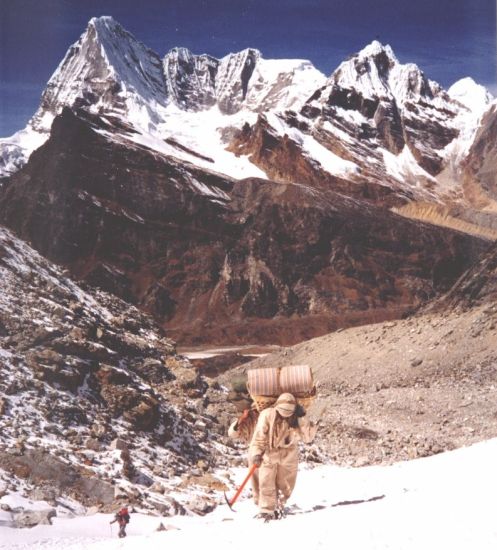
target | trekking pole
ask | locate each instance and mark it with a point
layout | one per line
(240, 489)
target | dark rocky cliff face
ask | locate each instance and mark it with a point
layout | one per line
(216, 260)
(112, 208)
(478, 286)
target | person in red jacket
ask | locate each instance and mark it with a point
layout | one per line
(122, 518)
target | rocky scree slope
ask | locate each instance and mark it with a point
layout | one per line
(219, 260)
(95, 405)
(476, 287)
(408, 388)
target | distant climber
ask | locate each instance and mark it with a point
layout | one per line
(242, 429)
(274, 448)
(122, 518)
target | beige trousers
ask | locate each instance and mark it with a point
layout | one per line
(277, 477)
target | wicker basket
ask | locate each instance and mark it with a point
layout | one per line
(263, 402)
(265, 385)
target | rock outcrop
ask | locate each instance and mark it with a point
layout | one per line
(480, 182)
(82, 369)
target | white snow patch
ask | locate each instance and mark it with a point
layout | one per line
(472, 95)
(445, 501)
(300, 77)
(404, 164)
(332, 129)
(333, 164)
(477, 100)
(330, 162)
(15, 150)
(351, 115)
(199, 136)
(204, 133)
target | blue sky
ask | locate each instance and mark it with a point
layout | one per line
(448, 39)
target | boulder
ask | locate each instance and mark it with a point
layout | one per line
(31, 518)
(144, 415)
(48, 493)
(93, 444)
(202, 506)
(119, 444)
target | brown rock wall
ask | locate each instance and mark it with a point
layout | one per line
(265, 254)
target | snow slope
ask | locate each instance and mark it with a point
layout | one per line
(476, 99)
(445, 501)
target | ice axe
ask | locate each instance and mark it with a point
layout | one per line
(232, 501)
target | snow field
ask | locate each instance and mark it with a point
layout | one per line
(444, 501)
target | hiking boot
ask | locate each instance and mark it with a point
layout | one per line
(280, 513)
(265, 516)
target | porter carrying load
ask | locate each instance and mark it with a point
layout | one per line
(266, 384)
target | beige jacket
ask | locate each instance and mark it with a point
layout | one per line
(274, 432)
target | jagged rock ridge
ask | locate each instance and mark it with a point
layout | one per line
(381, 126)
(107, 71)
(377, 129)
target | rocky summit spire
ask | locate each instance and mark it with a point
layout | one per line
(376, 72)
(107, 69)
(235, 73)
(190, 79)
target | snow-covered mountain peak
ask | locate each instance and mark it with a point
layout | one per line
(179, 53)
(110, 73)
(375, 72)
(190, 79)
(199, 100)
(472, 95)
(102, 21)
(110, 34)
(251, 55)
(233, 77)
(185, 55)
(241, 80)
(376, 48)
(105, 24)
(265, 84)
(107, 69)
